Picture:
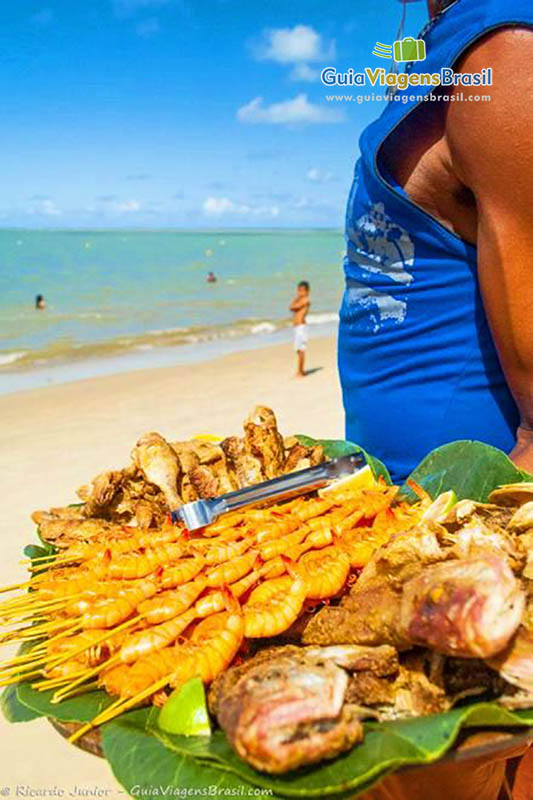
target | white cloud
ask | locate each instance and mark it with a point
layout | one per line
(293, 45)
(222, 206)
(126, 206)
(303, 72)
(44, 207)
(110, 205)
(298, 110)
(317, 175)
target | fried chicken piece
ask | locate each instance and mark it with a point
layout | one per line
(101, 493)
(144, 513)
(204, 482)
(468, 607)
(54, 514)
(244, 468)
(64, 532)
(297, 458)
(204, 470)
(210, 455)
(263, 440)
(160, 466)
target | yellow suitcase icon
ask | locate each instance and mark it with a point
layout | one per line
(409, 49)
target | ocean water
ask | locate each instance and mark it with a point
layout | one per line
(128, 297)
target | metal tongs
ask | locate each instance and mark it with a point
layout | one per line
(202, 512)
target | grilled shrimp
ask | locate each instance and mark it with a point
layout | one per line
(96, 649)
(360, 544)
(276, 526)
(324, 572)
(215, 601)
(276, 566)
(110, 611)
(182, 572)
(224, 552)
(171, 603)
(60, 588)
(231, 571)
(127, 681)
(276, 547)
(307, 509)
(155, 638)
(276, 613)
(212, 647)
(138, 564)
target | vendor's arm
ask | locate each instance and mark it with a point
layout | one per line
(491, 147)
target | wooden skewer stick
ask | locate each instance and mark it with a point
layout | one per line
(64, 692)
(118, 707)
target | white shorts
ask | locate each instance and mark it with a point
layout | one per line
(300, 337)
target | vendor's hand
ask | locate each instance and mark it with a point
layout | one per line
(478, 779)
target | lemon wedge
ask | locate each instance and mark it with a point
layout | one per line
(185, 711)
(440, 507)
(362, 479)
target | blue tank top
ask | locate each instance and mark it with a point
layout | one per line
(417, 362)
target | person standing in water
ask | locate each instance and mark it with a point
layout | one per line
(40, 302)
(300, 308)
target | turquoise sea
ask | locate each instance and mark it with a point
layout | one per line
(125, 299)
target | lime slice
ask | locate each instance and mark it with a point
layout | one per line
(440, 507)
(362, 479)
(185, 711)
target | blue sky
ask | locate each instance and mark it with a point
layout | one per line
(182, 113)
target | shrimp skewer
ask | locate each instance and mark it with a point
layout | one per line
(276, 605)
(209, 652)
(183, 571)
(324, 572)
(135, 565)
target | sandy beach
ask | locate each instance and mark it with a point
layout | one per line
(55, 439)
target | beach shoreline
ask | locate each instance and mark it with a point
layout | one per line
(155, 355)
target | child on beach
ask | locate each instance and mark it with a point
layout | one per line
(300, 307)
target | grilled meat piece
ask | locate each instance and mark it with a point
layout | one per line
(245, 469)
(515, 663)
(468, 607)
(468, 677)
(160, 466)
(288, 712)
(370, 613)
(286, 706)
(101, 493)
(263, 440)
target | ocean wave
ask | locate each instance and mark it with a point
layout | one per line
(263, 327)
(10, 358)
(322, 319)
(67, 349)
